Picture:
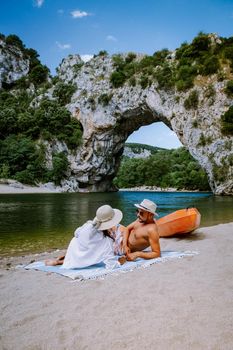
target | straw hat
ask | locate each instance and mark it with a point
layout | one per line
(107, 217)
(147, 205)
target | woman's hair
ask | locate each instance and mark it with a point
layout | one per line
(107, 234)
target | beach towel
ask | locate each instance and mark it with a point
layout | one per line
(100, 271)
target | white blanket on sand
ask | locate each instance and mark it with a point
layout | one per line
(100, 270)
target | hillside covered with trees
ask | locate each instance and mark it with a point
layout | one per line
(164, 168)
(26, 121)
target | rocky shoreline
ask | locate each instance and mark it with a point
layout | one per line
(13, 186)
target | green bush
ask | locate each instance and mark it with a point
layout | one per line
(33, 56)
(39, 74)
(118, 62)
(15, 41)
(183, 85)
(130, 57)
(117, 79)
(144, 82)
(199, 47)
(25, 176)
(192, 101)
(229, 88)
(180, 51)
(132, 81)
(228, 53)
(159, 57)
(185, 76)
(146, 61)
(103, 53)
(104, 99)
(64, 92)
(4, 171)
(210, 66)
(60, 167)
(91, 101)
(210, 92)
(227, 122)
(17, 152)
(200, 44)
(165, 77)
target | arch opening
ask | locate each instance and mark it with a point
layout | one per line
(157, 134)
(153, 157)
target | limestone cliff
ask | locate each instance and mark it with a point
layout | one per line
(108, 125)
(136, 153)
(13, 64)
(109, 114)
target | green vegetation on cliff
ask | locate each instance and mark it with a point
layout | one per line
(28, 117)
(227, 122)
(205, 55)
(33, 111)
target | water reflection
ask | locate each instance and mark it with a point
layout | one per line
(38, 222)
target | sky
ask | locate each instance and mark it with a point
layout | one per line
(57, 28)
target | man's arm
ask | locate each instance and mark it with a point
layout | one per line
(155, 247)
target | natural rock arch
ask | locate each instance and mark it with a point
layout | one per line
(109, 114)
(107, 126)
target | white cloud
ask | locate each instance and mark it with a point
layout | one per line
(39, 3)
(111, 38)
(63, 46)
(79, 14)
(86, 58)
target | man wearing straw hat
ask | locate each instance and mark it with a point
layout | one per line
(142, 233)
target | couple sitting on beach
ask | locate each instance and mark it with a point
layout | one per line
(102, 239)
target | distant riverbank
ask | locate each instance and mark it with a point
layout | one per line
(12, 186)
(157, 189)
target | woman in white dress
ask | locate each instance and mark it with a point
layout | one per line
(97, 241)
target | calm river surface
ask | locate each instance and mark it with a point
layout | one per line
(41, 222)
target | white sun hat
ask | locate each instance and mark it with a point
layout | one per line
(107, 217)
(147, 205)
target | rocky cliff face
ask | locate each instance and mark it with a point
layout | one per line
(109, 115)
(108, 122)
(13, 65)
(140, 153)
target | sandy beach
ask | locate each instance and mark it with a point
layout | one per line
(185, 304)
(14, 187)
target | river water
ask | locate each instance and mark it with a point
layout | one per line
(31, 223)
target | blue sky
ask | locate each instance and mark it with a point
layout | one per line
(57, 28)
